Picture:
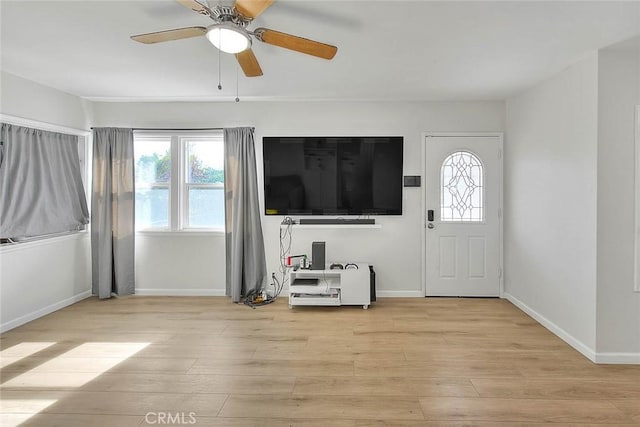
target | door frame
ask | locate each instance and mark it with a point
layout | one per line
(424, 140)
(636, 270)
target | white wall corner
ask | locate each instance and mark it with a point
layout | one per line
(44, 311)
(584, 349)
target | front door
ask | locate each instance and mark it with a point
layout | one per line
(463, 199)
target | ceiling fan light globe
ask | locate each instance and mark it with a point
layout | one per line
(229, 38)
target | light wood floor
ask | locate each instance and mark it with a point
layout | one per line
(413, 362)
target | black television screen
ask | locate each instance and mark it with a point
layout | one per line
(333, 175)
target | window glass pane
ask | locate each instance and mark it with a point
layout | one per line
(205, 162)
(153, 160)
(152, 207)
(206, 207)
(152, 177)
(461, 192)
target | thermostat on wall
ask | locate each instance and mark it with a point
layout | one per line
(412, 180)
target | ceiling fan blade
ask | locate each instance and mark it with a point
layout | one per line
(252, 8)
(196, 6)
(165, 36)
(249, 63)
(299, 44)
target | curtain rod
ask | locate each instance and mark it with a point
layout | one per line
(177, 129)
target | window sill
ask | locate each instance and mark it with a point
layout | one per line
(181, 233)
(24, 245)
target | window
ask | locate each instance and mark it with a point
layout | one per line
(179, 181)
(42, 193)
(461, 192)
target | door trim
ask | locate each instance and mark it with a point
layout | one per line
(636, 270)
(500, 136)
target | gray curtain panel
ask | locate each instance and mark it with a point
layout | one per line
(245, 258)
(41, 189)
(112, 213)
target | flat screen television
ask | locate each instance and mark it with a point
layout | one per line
(333, 175)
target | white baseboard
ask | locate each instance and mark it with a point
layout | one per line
(555, 329)
(604, 358)
(181, 292)
(399, 294)
(618, 358)
(44, 311)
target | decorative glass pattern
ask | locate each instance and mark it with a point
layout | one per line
(462, 191)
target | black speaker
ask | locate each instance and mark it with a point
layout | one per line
(317, 256)
(372, 280)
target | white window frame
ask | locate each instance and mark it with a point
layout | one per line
(178, 185)
(186, 186)
(160, 138)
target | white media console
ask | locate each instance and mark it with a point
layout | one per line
(331, 287)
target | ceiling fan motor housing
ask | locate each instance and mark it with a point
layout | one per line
(229, 14)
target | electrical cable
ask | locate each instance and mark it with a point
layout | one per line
(286, 237)
(257, 298)
(326, 282)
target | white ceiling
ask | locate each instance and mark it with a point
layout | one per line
(387, 50)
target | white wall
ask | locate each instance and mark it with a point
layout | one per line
(618, 309)
(395, 249)
(40, 277)
(180, 264)
(550, 202)
(30, 100)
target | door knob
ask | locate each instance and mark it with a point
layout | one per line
(430, 226)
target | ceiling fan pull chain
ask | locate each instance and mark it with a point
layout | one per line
(219, 71)
(237, 96)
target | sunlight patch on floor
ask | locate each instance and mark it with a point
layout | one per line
(16, 411)
(50, 380)
(13, 420)
(70, 370)
(20, 351)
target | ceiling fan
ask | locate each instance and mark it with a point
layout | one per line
(229, 33)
